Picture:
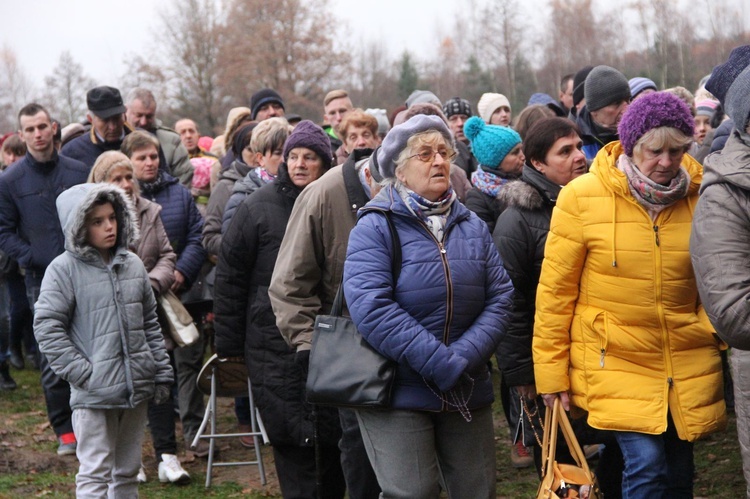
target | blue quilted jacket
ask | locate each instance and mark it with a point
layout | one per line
(182, 221)
(444, 317)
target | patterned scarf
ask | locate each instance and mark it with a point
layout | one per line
(489, 182)
(652, 196)
(433, 213)
(151, 188)
(264, 175)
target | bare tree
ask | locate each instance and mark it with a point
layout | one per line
(283, 44)
(190, 36)
(65, 90)
(504, 35)
(15, 89)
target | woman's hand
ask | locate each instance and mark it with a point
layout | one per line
(549, 399)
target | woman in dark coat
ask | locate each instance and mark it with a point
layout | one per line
(245, 323)
(498, 151)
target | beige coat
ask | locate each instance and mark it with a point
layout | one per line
(311, 258)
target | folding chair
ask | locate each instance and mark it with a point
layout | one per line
(228, 378)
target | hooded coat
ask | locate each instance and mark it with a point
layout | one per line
(443, 317)
(95, 322)
(618, 320)
(245, 322)
(520, 235)
(719, 242)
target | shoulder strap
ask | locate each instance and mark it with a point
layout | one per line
(338, 301)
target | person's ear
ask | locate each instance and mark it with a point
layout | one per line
(538, 165)
(259, 159)
(88, 117)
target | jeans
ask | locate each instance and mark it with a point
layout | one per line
(656, 466)
(414, 452)
(56, 389)
(21, 330)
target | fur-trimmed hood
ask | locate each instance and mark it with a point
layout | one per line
(74, 204)
(531, 192)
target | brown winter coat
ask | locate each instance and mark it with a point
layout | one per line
(153, 248)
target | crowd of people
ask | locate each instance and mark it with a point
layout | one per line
(596, 244)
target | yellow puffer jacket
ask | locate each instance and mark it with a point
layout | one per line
(618, 321)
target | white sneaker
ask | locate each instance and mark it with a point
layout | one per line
(141, 474)
(171, 471)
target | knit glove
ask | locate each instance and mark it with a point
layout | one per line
(161, 394)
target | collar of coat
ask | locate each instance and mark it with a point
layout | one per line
(605, 167)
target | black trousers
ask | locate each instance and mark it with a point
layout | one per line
(295, 467)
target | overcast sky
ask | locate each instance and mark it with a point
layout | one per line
(100, 34)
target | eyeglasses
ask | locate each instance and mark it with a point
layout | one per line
(427, 155)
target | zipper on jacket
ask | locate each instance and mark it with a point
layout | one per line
(656, 234)
(449, 288)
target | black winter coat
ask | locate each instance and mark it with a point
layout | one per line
(246, 325)
(485, 206)
(520, 235)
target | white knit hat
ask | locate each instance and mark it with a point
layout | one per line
(489, 103)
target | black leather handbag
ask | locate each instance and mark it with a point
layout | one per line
(345, 371)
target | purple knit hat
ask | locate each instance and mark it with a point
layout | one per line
(653, 111)
(308, 134)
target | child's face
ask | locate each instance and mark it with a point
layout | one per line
(101, 228)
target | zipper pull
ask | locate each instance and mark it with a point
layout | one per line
(442, 248)
(601, 358)
(669, 381)
(656, 233)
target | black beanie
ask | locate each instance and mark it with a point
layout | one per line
(730, 83)
(578, 81)
(604, 86)
(263, 97)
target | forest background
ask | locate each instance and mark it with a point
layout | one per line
(207, 56)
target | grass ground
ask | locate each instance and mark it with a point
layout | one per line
(29, 466)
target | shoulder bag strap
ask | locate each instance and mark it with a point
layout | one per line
(338, 301)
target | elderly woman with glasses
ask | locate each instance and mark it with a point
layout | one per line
(440, 319)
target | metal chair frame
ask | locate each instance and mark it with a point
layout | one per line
(258, 431)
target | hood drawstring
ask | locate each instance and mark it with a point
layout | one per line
(614, 230)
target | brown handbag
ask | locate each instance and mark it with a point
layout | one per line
(564, 480)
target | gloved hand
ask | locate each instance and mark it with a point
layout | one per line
(161, 394)
(302, 359)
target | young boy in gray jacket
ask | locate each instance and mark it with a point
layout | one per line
(96, 323)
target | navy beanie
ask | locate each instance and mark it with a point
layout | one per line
(308, 134)
(490, 143)
(263, 97)
(730, 83)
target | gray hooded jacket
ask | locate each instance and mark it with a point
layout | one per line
(97, 323)
(720, 241)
